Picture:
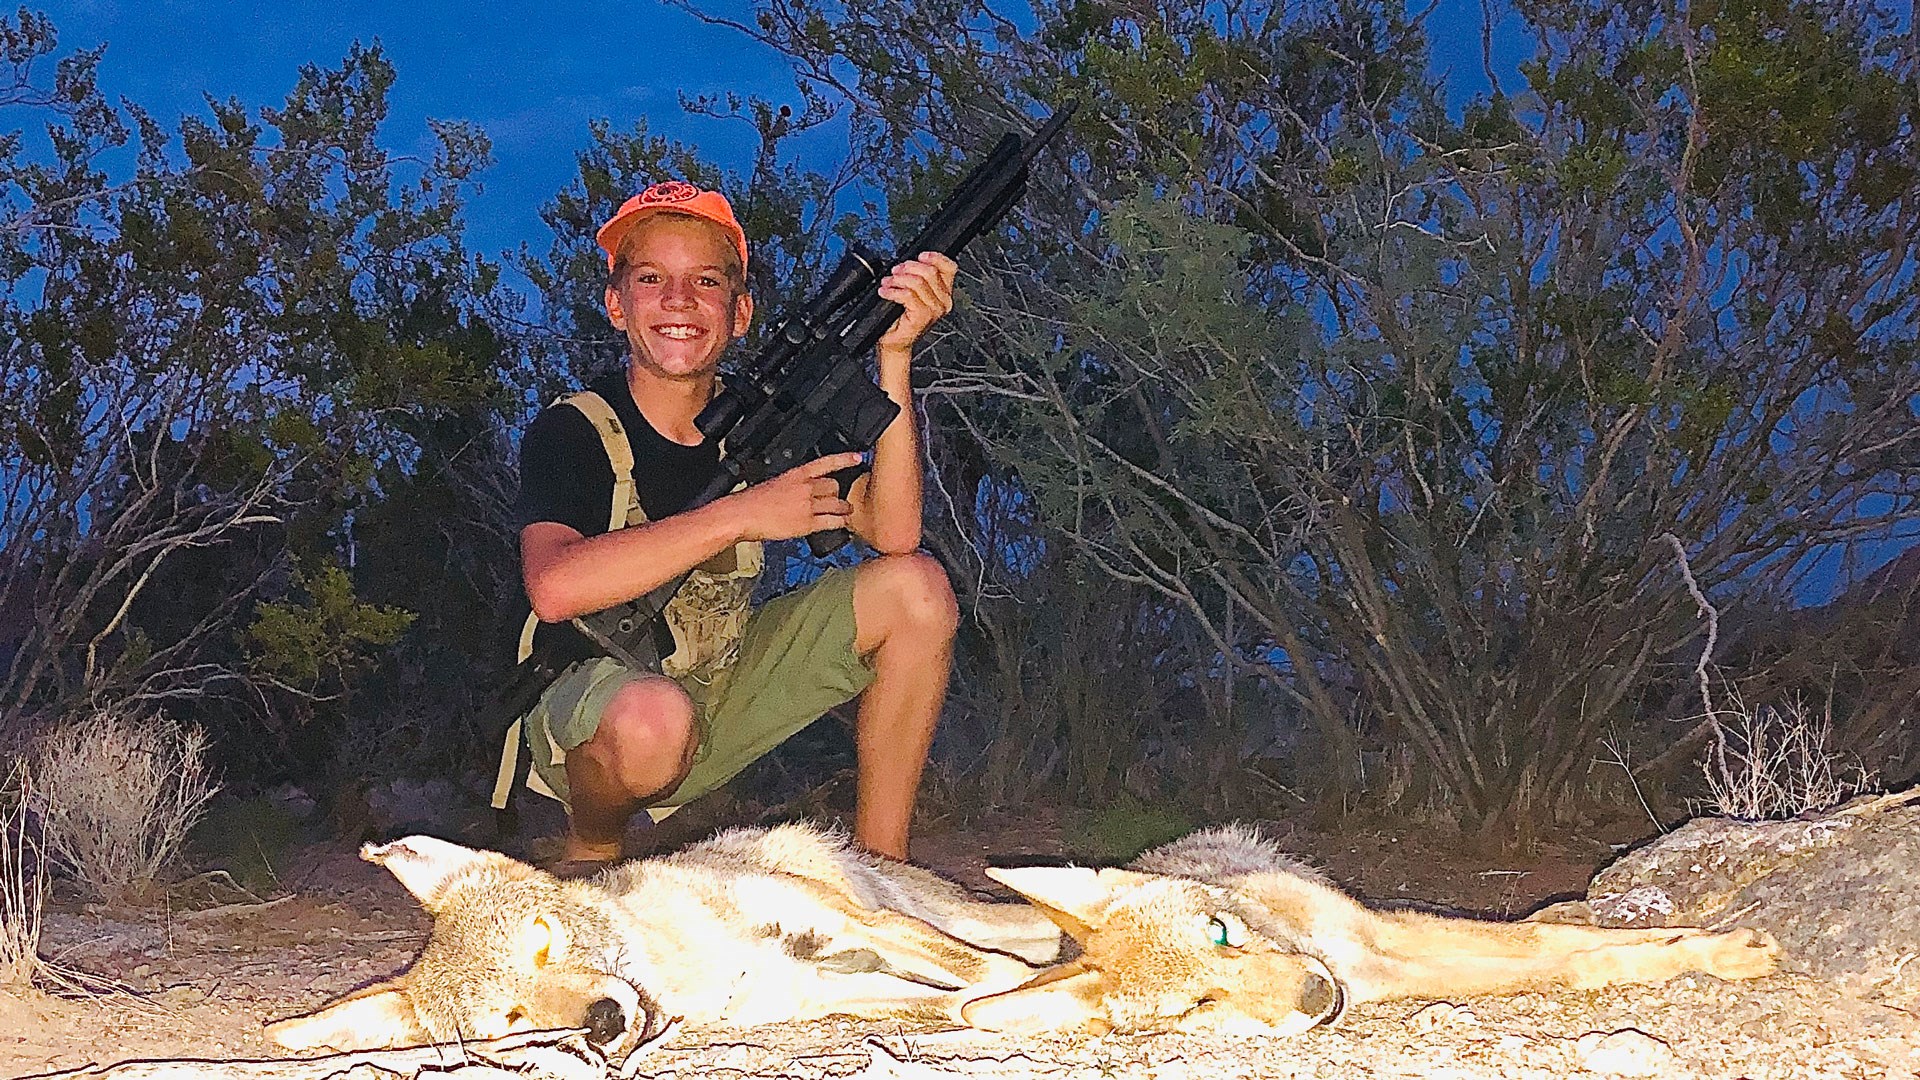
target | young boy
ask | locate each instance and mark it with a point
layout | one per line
(607, 740)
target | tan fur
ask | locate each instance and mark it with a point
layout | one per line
(1297, 950)
(752, 926)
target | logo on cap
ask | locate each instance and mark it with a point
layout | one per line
(668, 191)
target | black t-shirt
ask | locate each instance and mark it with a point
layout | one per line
(565, 476)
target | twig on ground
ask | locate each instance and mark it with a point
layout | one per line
(562, 1055)
(231, 909)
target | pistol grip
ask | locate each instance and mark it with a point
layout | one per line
(828, 541)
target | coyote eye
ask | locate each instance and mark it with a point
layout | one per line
(1226, 931)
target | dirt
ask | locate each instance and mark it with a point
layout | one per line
(199, 984)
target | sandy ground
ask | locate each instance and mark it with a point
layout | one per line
(204, 981)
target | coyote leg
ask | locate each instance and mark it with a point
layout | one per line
(1734, 954)
(1414, 955)
(913, 945)
(906, 944)
(1018, 929)
(882, 964)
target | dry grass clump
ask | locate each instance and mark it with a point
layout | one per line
(23, 901)
(116, 795)
(23, 890)
(1771, 763)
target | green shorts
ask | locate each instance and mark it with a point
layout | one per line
(797, 660)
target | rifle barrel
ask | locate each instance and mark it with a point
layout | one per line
(977, 205)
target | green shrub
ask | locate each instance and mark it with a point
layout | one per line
(249, 838)
(1122, 829)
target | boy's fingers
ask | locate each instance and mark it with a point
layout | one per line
(832, 463)
(932, 274)
(939, 261)
(922, 288)
(903, 291)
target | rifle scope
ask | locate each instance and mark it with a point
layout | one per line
(793, 337)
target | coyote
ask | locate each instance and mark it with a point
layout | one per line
(752, 926)
(1221, 932)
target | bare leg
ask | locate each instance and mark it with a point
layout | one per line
(642, 748)
(904, 617)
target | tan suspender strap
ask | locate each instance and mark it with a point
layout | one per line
(509, 764)
(526, 638)
(510, 752)
(624, 508)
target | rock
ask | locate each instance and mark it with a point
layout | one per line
(1627, 1052)
(293, 800)
(1836, 888)
(1570, 912)
(181, 995)
(436, 805)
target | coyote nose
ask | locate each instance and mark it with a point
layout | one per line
(1321, 998)
(606, 1021)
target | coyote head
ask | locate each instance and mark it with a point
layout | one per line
(512, 949)
(1158, 954)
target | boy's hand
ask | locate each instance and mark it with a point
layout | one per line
(924, 286)
(799, 502)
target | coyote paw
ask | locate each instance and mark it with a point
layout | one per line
(1743, 954)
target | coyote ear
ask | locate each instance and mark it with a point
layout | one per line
(1069, 998)
(1075, 897)
(376, 1018)
(425, 865)
(543, 940)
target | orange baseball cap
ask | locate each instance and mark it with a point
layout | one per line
(679, 197)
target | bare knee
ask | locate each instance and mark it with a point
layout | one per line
(907, 594)
(645, 738)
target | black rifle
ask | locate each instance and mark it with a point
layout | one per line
(806, 393)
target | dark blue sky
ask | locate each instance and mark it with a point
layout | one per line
(531, 81)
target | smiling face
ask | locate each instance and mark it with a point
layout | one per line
(678, 296)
